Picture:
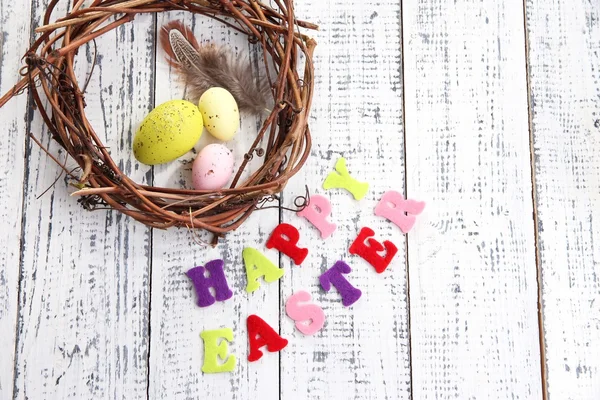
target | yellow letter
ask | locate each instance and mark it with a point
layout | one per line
(342, 180)
(213, 350)
(257, 265)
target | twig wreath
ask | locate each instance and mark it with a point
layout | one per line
(285, 136)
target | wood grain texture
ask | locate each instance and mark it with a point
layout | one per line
(83, 321)
(177, 351)
(105, 309)
(363, 351)
(14, 38)
(473, 288)
(564, 64)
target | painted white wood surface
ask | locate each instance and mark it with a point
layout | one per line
(473, 288)
(83, 320)
(363, 350)
(564, 62)
(176, 352)
(105, 310)
(14, 38)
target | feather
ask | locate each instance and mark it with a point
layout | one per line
(206, 66)
(165, 40)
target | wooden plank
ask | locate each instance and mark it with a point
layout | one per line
(177, 353)
(363, 351)
(564, 60)
(83, 321)
(14, 39)
(473, 287)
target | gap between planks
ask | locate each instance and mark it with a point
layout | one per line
(26, 167)
(151, 238)
(538, 265)
(406, 249)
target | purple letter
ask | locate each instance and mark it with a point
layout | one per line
(334, 276)
(216, 280)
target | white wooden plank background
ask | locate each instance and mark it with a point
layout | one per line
(363, 351)
(472, 264)
(94, 305)
(564, 60)
(13, 124)
(176, 323)
(83, 305)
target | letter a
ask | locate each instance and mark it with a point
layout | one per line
(309, 318)
(257, 265)
(217, 281)
(261, 334)
(371, 251)
(341, 179)
(316, 212)
(285, 238)
(401, 212)
(334, 276)
(213, 350)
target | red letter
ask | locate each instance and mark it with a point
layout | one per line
(285, 238)
(261, 334)
(370, 252)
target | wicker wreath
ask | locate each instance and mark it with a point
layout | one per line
(284, 136)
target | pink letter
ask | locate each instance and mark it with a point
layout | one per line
(309, 318)
(317, 212)
(401, 212)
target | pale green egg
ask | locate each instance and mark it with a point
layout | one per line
(168, 132)
(220, 113)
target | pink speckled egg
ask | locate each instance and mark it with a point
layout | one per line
(212, 168)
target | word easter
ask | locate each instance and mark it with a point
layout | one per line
(309, 318)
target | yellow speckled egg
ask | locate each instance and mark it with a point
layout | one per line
(168, 132)
(220, 113)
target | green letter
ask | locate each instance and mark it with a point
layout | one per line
(342, 180)
(257, 265)
(213, 350)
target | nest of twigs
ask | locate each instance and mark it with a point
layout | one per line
(284, 139)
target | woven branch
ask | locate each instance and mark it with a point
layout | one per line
(50, 78)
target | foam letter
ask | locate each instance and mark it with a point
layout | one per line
(309, 318)
(213, 350)
(261, 334)
(217, 281)
(334, 276)
(317, 212)
(371, 251)
(401, 212)
(341, 179)
(257, 265)
(285, 238)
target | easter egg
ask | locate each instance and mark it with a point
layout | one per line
(220, 113)
(212, 168)
(168, 132)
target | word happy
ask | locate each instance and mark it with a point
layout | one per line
(309, 318)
